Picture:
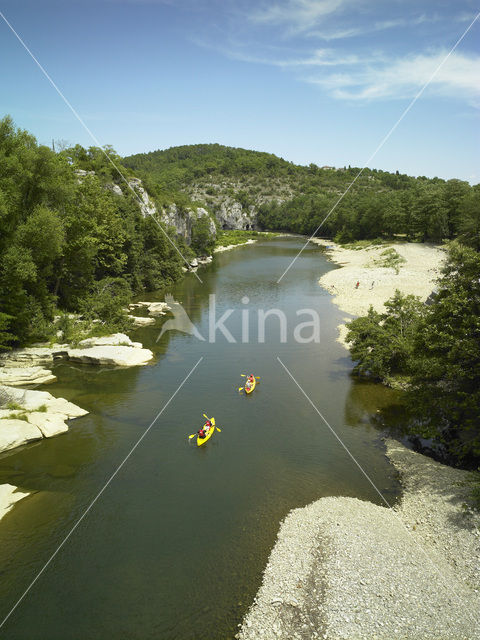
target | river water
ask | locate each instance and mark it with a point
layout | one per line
(175, 546)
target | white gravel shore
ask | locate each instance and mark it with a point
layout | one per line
(416, 275)
(221, 249)
(351, 570)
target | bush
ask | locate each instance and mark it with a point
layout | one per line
(203, 241)
(107, 302)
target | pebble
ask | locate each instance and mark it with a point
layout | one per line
(365, 576)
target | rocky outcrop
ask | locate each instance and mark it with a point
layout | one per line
(23, 376)
(183, 220)
(14, 433)
(114, 188)
(232, 215)
(27, 415)
(9, 495)
(147, 206)
(117, 350)
(141, 321)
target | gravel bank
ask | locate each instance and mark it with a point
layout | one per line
(229, 247)
(347, 569)
(416, 275)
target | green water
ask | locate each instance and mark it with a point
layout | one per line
(176, 545)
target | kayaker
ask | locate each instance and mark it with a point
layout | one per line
(208, 424)
(201, 433)
(250, 378)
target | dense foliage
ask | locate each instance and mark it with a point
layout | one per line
(295, 198)
(435, 347)
(69, 242)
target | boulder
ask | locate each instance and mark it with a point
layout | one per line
(31, 356)
(140, 321)
(14, 433)
(117, 339)
(49, 424)
(9, 495)
(21, 367)
(25, 375)
(27, 399)
(31, 400)
(111, 355)
(154, 308)
(64, 408)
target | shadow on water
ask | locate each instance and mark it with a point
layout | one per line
(176, 545)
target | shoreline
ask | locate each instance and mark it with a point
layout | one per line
(416, 275)
(28, 415)
(343, 568)
(221, 249)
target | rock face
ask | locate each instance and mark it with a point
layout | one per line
(147, 206)
(114, 188)
(43, 416)
(231, 215)
(183, 220)
(9, 495)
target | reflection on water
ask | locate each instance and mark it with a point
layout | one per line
(176, 545)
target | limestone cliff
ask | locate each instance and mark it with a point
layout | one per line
(232, 215)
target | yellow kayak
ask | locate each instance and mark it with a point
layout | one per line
(252, 386)
(208, 435)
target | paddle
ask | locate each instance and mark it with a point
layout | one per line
(217, 428)
(244, 376)
(240, 388)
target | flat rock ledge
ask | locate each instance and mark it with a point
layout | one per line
(24, 367)
(154, 309)
(345, 569)
(40, 415)
(9, 495)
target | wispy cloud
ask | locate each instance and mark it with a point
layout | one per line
(381, 25)
(318, 58)
(297, 15)
(401, 78)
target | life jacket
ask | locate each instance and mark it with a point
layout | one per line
(201, 433)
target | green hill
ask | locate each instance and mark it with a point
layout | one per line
(280, 195)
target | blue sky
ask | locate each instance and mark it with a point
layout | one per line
(318, 81)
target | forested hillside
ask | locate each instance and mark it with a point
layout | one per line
(73, 238)
(68, 242)
(295, 198)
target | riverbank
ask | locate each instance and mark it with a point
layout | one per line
(346, 569)
(221, 249)
(377, 283)
(29, 415)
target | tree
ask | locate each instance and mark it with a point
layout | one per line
(5, 336)
(382, 343)
(469, 224)
(203, 241)
(445, 393)
(429, 214)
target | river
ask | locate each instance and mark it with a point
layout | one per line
(175, 546)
